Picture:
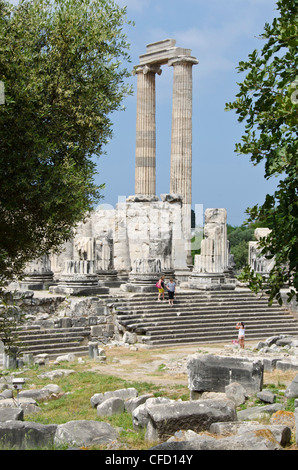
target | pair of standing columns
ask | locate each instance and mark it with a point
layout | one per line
(181, 139)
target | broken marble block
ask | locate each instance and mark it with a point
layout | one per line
(166, 419)
(210, 373)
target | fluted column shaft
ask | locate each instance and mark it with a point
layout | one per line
(181, 141)
(145, 169)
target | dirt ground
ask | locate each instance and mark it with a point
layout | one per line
(158, 366)
(164, 366)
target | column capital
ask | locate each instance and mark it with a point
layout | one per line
(182, 59)
(147, 68)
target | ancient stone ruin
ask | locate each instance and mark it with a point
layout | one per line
(257, 261)
(145, 235)
(211, 267)
(129, 247)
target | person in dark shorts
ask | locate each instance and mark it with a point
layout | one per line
(171, 286)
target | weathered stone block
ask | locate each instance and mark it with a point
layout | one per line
(281, 433)
(292, 389)
(166, 419)
(213, 373)
(9, 414)
(266, 396)
(132, 403)
(257, 413)
(96, 330)
(236, 392)
(110, 407)
(140, 416)
(21, 435)
(85, 433)
(123, 393)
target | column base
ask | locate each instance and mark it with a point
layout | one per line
(37, 281)
(211, 281)
(109, 279)
(79, 285)
(141, 282)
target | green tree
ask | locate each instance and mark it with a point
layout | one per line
(238, 238)
(61, 63)
(267, 103)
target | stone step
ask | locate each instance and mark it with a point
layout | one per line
(52, 333)
(216, 334)
(151, 314)
(162, 325)
(198, 317)
(53, 347)
(60, 350)
(211, 336)
(192, 301)
(29, 342)
(193, 305)
(54, 342)
(222, 329)
(200, 314)
(192, 295)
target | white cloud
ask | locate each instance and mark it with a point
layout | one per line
(226, 31)
(134, 5)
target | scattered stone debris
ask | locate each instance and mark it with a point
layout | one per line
(210, 420)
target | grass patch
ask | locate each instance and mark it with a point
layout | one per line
(78, 389)
(87, 380)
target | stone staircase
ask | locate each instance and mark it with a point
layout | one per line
(54, 342)
(203, 317)
(197, 317)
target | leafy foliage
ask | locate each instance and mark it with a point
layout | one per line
(238, 238)
(10, 318)
(267, 103)
(60, 61)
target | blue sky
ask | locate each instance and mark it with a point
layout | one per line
(220, 33)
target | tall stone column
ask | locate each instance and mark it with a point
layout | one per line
(181, 140)
(145, 170)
